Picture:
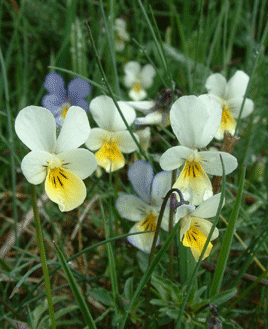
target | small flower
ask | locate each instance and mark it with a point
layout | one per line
(230, 95)
(144, 209)
(112, 137)
(194, 121)
(121, 34)
(58, 101)
(194, 228)
(138, 79)
(57, 161)
(157, 112)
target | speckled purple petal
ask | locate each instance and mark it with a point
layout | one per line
(52, 102)
(77, 89)
(54, 84)
(82, 103)
(141, 175)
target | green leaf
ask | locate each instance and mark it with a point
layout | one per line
(102, 295)
(223, 297)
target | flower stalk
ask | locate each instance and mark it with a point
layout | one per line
(43, 258)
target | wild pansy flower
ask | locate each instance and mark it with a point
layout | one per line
(121, 34)
(194, 121)
(112, 137)
(194, 228)
(145, 208)
(58, 101)
(156, 112)
(138, 79)
(56, 160)
(230, 95)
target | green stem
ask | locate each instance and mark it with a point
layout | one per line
(170, 228)
(43, 258)
(157, 230)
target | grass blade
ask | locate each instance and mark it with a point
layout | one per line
(75, 289)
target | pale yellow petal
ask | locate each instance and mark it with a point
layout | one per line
(110, 157)
(65, 188)
(194, 183)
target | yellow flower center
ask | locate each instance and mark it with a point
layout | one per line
(193, 181)
(110, 157)
(137, 87)
(228, 122)
(196, 240)
(192, 169)
(149, 223)
(64, 109)
(65, 188)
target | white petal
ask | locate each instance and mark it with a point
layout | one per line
(81, 162)
(107, 116)
(137, 94)
(132, 71)
(142, 106)
(141, 241)
(212, 164)
(36, 128)
(195, 120)
(160, 186)
(125, 141)
(237, 85)
(216, 85)
(174, 157)
(150, 119)
(185, 226)
(208, 208)
(131, 207)
(236, 103)
(147, 75)
(96, 138)
(183, 211)
(75, 130)
(33, 166)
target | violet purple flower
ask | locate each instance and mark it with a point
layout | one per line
(144, 208)
(58, 101)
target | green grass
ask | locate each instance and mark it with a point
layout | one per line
(97, 275)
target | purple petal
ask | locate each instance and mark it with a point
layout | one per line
(52, 103)
(54, 84)
(82, 103)
(160, 186)
(141, 175)
(77, 89)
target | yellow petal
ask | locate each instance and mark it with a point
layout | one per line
(149, 223)
(144, 241)
(228, 122)
(196, 240)
(65, 188)
(194, 183)
(110, 157)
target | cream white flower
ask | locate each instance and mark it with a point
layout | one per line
(194, 121)
(230, 95)
(121, 34)
(144, 209)
(138, 79)
(58, 161)
(112, 137)
(194, 228)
